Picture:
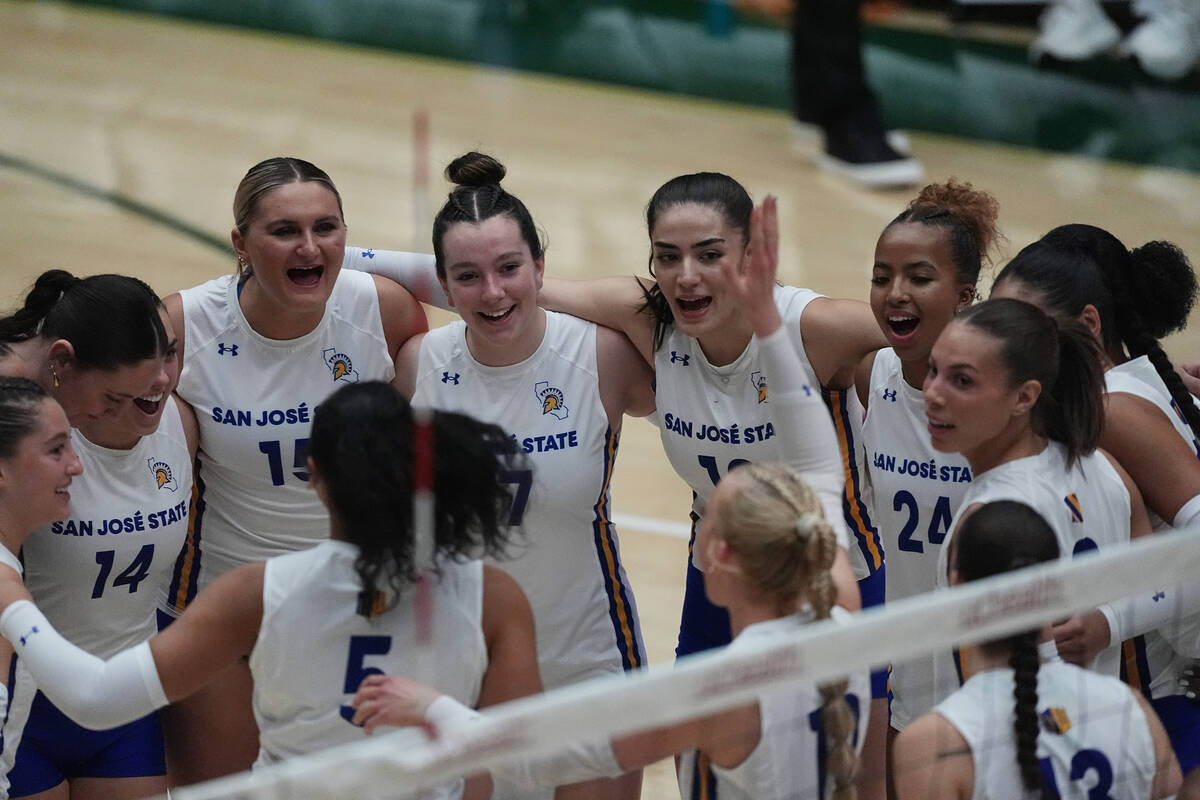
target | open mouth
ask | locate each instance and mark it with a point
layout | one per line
(498, 315)
(693, 304)
(150, 404)
(307, 277)
(902, 326)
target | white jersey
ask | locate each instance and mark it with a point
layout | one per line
(1150, 662)
(254, 399)
(314, 648)
(712, 419)
(97, 574)
(1093, 733)
(787, 762)
(20, 696)
(1086, 506)
(567, 560)
(917, 492)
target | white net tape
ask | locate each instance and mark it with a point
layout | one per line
(707, 683)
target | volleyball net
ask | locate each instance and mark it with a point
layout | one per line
(403, 762)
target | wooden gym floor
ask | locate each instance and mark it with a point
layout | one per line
(122, 138)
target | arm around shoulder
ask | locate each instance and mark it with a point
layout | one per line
(173, 303)
(838, 334)
(408, 360)
(626, 381)
(402, 315)
(613, 302)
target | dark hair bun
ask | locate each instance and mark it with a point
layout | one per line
(1163, 287)
(475, 169)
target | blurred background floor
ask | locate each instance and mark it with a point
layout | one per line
(122, 137)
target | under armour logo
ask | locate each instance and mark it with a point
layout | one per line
(1158, 596)
(889, 394)
(677, 357)
(223, 348)
(31, 633)
(368, 253)
(448, 378)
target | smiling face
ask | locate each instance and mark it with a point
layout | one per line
(93, 395)
(915, 290)
(690, 244)
(131, 420)
(294, 246)
(38, 473)
(970, 405)
(493, 280)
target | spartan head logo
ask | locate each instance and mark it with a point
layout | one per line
(551, 399)
(340, 366)
(759, 382)
(163, 477)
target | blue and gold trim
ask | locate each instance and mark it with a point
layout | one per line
(858, 517)
(620, 604)
(1135, 667)
(186, 575)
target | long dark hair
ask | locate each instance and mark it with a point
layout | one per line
(1140, 295)
(712, 189)
(478, 196)
(110, 320)
(1000, 537)
(361, 442)
(1062, 356)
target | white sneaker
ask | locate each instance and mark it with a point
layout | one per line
(1074, 30)
(1167, 44)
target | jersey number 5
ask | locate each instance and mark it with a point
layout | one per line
(356, 672)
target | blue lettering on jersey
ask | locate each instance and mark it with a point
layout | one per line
(137, 522)
(734, 434)
(547, 443)
(946, 473)
(275, 416)
(224, 349)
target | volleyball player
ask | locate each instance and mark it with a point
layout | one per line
(261, 348)
(1020, 396)
(766, 550)
(927, 262)
(1021, 726)
(37, 465)
(358, 585)
(95, 343)
(1127, 299)
(559, 386)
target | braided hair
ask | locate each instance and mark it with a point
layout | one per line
(1000, 537)
(786, 548)
(1140, 295)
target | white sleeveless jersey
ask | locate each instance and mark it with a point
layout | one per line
(20, 696)
(97, 574)
(1093, 737)
(1149, 662)
(314, 648)
(254, 399)
(1087, 507)
(566, 559)
(788, 762)
(917, 492)
(712, 419)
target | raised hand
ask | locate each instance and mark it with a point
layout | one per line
(753, 284)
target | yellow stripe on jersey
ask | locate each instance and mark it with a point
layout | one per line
(185, 570)
(1076, 510)
(1133, 676)
(862, 529)
(612, 572)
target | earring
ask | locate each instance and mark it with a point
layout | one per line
(241, 263)
(54, 375)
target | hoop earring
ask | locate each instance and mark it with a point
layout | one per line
(54, 375)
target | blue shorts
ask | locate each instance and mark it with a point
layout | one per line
(54, 749)
(871, 589)
(703, 626)
(1181, 717)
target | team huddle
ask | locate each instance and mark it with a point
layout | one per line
(207, 501)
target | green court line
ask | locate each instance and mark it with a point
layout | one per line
(162, 218)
